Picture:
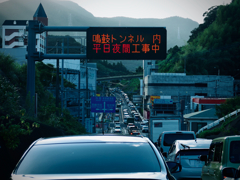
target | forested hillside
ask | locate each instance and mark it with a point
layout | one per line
(213, 47)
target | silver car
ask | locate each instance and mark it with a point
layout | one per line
(187, 152)
(93, 157)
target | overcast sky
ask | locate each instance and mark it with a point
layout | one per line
(192, 9)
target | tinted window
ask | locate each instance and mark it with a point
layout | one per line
(218, 152)
(194, 152)
(89, 158)
(170, 138)
(211, 152)
(234, 151)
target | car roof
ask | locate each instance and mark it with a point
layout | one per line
(175, 132)
(237, 137)
(198, 144)
(87, 139)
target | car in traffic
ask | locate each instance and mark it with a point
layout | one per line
(116, 118)
(125, 119)
(130, 125)
(93, 157)
(166, 139)
(134, 132)
(117, 124)
(117, 130)
(144, 123)
(130, 129)
(145, 129)
(224, 152)
(187, 152)
(137, 118)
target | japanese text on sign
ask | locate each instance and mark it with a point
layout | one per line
(126, 43)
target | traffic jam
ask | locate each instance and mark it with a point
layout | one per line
(195, 155)
(126, 120)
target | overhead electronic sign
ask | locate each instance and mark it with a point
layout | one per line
(139, 43)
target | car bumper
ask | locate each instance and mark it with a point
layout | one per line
(188, 173)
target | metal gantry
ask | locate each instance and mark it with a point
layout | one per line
(34, 28)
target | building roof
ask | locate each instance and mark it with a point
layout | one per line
(40, 12)
(16, 22)
(205, 114)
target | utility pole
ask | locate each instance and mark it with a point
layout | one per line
(79, 80)
(180, 121)
(57, 82)
(87, 92)
(62, 85)
(216, 87)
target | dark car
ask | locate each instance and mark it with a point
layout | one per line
(135, 132)
(137, 118)
(131, 128)
(93, 157)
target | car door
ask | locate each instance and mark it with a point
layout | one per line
(215, 168)
(206, 167)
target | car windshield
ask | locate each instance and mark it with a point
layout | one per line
(170, 138)
(89, 158)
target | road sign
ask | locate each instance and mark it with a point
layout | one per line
(103, 104)
(127, 43)
(163, 101)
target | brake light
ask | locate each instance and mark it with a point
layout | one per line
(178, 158)
(131, 133)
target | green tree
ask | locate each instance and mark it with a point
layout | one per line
(139, 70)
(229, 106)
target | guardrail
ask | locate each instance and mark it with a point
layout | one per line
(217, 122)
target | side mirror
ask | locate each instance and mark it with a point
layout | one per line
(229, 172)
(203, 158)
(164, 154)
(174, 167)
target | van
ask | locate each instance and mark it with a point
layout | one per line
(224, 153)
(166, 139)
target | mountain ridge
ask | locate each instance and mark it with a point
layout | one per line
(68, 13)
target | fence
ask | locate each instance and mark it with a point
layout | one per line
(217, 122)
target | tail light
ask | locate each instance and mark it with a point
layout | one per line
(177, 158)
(131, 133)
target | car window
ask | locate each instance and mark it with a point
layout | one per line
(194, 152)
(211, 152)
(88, 158)
(218, 152)
(170, 138)
(235, 152)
